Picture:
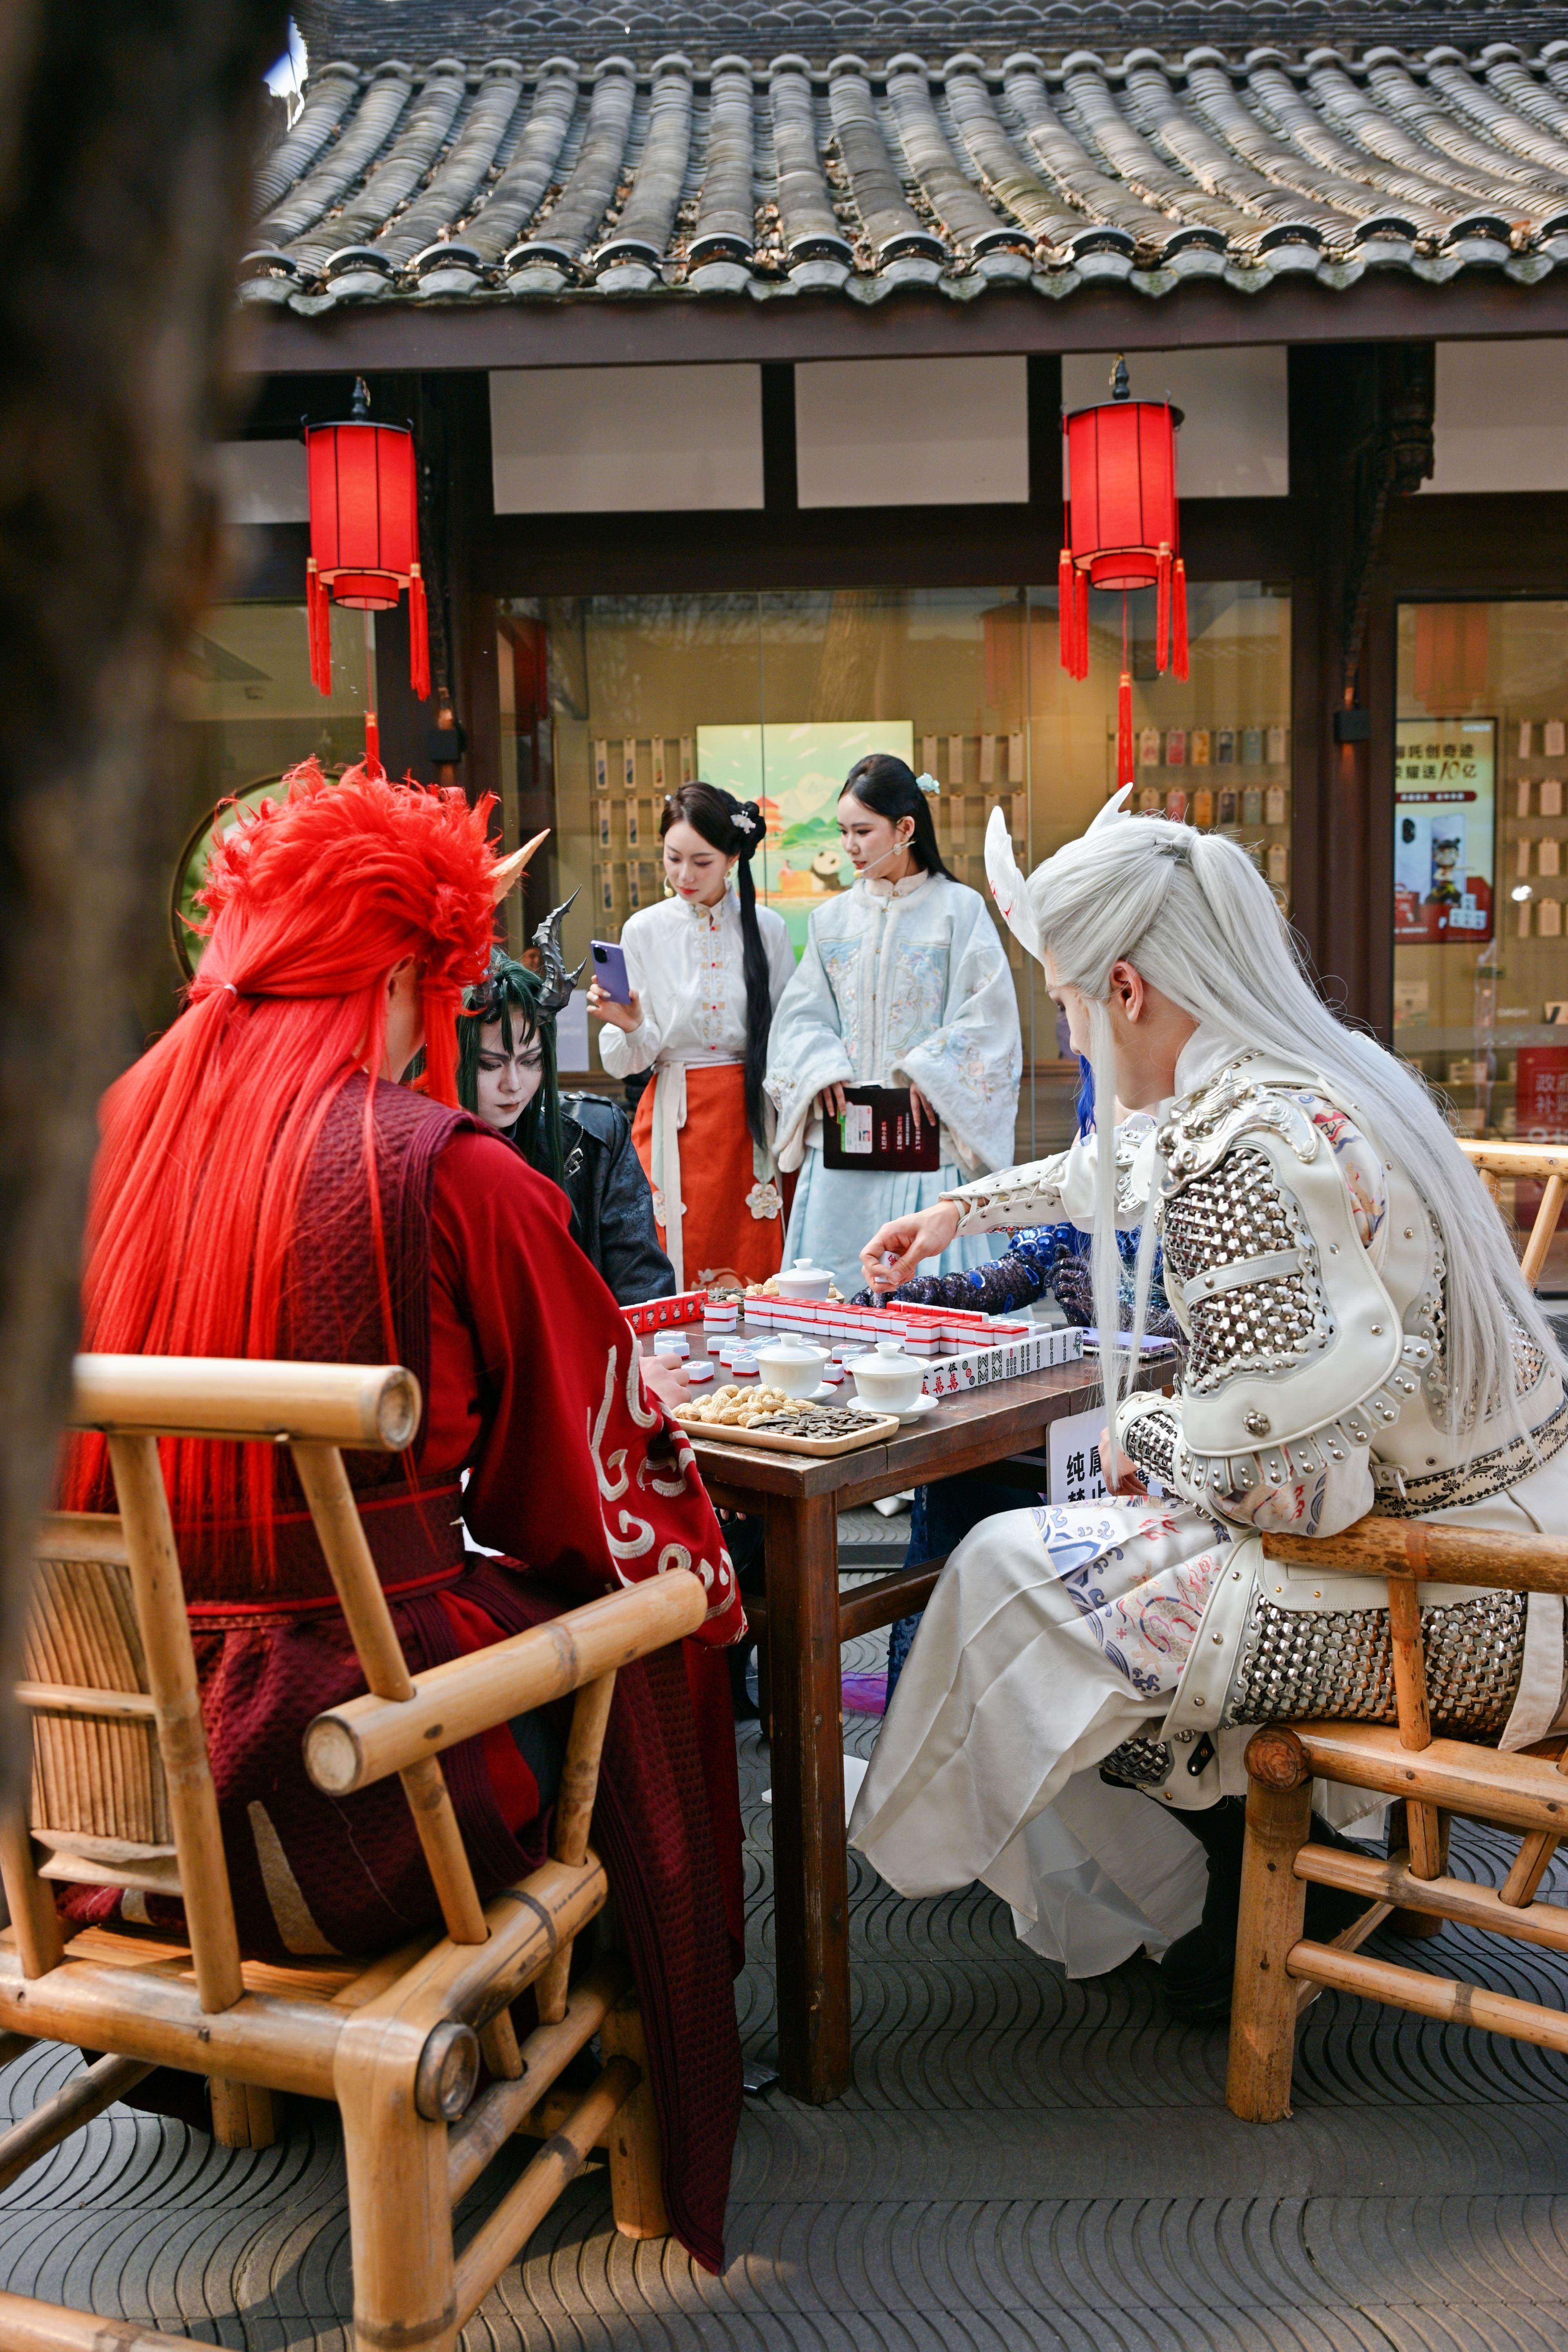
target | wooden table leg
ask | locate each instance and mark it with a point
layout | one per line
(811, 1871)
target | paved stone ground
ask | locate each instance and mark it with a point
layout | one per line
(1020, 2163)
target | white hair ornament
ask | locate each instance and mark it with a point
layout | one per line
(1008, 886)
(926, 784)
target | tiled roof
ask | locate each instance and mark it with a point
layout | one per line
(509, 179)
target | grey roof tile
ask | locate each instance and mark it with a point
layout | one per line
(515, 174)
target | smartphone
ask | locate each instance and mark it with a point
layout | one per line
(610, 971)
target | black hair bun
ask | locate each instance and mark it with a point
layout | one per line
(749, 822)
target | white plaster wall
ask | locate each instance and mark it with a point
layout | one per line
(623, 440)
(1235, 437)
(1501, 417)
(887, 433)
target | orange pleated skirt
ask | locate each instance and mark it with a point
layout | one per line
(717, 1173)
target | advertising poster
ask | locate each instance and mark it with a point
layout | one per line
(796, 773)
(1445, 830)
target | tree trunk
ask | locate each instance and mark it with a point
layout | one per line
(127, 133)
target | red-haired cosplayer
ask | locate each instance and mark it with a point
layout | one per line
(265, 1189)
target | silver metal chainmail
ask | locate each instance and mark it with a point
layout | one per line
(1337, 1664)
(1150, 1441)
(1235, 1212)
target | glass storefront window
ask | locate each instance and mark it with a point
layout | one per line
(246, 690)
(1480, 953)
(607, 703)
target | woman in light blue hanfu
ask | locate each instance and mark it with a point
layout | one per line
(903, 982)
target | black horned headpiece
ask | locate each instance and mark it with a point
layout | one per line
(559, 982)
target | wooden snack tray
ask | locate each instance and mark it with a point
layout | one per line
(878, 1429)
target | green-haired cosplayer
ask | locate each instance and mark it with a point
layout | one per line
(506, 1076)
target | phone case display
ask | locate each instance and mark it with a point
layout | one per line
(1255, 809)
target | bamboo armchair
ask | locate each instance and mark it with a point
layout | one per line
(1279, 1972)
(123, 1795)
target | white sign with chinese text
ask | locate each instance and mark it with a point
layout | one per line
(1074, 1458)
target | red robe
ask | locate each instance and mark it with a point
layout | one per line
(530, 1375)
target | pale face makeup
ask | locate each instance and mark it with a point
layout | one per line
(694, 869)
(506, 1083)
(876, 847)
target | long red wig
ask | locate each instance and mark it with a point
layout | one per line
(308, 907)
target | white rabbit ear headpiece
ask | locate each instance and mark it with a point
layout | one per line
(1009, 888)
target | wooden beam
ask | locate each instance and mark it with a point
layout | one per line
(1523, 1792)
(1441, 1997)
(1445, 1555)
(372, 1406)
(1442, 1898)
(352, 1745)
(868, 1606)
(29, 2326)
(497, 2240)
(503, 2107)
(588, 331)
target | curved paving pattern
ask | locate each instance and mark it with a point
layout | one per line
(482, 178)
(1021, 2162)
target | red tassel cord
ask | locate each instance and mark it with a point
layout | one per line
(1124, 712)
(1179, 619)
(1080, 621)
(318, 629)
(1124, 730)
(1066, 612)
(1163, 607)
(419, 634)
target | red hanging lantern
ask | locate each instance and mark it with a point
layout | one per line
(1121, 531)
(364, 544)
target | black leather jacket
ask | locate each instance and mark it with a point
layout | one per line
(612, 1206)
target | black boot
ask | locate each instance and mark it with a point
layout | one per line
(1199, 1969)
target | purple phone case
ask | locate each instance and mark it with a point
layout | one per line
(610, 970)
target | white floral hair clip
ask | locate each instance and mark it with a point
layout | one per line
(928, 785)
(746, 823)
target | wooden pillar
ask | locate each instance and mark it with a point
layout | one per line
(1361, 440)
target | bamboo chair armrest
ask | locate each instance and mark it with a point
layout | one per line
(1445, 1555)
(351, 1746)
(372, 1407)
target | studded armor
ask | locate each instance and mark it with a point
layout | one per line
(1338, 1664)
(1139, 1764)
(1236, 1243)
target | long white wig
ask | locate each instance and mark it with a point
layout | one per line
(1195, 917)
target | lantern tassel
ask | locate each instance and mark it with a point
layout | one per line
(318, 629)
(1124, 729)
(1067, 612)
(418, 633)
(1163, 607)
(1179, 618)
(1080, 621)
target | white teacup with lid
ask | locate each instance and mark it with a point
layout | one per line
(889, 1380)
(803, 1280)
(792, 1364)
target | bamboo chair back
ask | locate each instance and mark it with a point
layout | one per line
(98, 1788)
(1497, 1163)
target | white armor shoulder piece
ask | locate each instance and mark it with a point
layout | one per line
(1290, 1330)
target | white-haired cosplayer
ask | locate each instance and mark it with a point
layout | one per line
(1357, 1331)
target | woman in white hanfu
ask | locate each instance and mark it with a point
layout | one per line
(903, 983)
(707, 968)
(1357, 1332)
